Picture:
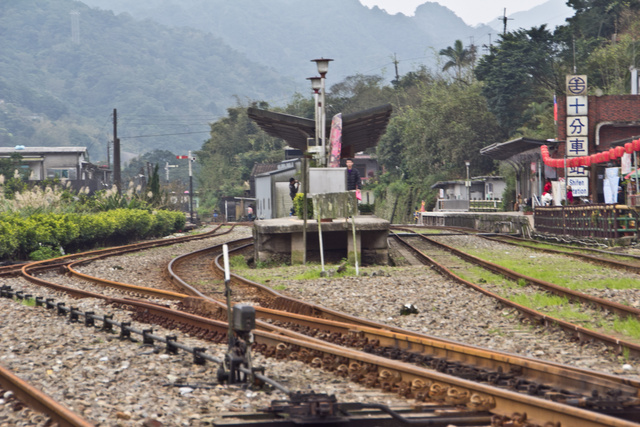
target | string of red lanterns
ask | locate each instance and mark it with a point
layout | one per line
(602, 157)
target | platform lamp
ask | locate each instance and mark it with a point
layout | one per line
(323, 67)
(468, 182)
(316, 86)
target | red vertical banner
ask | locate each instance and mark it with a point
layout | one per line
(335, 140)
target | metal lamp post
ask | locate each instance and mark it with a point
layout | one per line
(316, 85)
(468, 182)
(323, 67)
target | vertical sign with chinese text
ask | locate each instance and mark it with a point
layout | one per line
(577, 143)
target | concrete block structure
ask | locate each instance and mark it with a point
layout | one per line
(281, 240)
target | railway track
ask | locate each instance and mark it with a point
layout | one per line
(455, 256)
(601, 257)
(398, 343)
(429, 379)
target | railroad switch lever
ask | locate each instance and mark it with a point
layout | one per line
(237, 362)
(307, 408)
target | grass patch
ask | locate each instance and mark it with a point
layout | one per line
(628, 326)
(539, 300)
(479, 275)
(29, 302)
(237, 261)
(574, 275)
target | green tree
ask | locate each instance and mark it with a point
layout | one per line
(236, 143)
(357, 93)
(599, 19)
(608, 65)
(154, 186)
(459, 58)
(432, 140)
(518, 71)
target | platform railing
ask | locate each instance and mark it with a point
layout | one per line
(453, 205)
(607, 221)
(485, 205)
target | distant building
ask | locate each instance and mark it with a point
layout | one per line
(455, 196)
(65, 163)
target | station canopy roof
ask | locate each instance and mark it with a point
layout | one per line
(360, 130)
(506, 150)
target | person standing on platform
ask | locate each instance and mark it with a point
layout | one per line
(570, 200)
(293, 190)
(353, 177)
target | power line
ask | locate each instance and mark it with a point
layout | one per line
(164, 134)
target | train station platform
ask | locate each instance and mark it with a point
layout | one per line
(281, 240)
(491, 222)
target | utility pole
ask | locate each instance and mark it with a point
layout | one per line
(504, 19)
(191, 159)
(395, 63)
(117, 180)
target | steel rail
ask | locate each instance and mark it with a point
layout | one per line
(67, 262)
(580, 332)
(612, 306)
(392, 373)
(117, 250)
(39, 401)
(576, 379)
(174, 264)
(611, 263)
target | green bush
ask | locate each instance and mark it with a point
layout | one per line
(45, 252)
(365, 208)
(8, 240)
(166, 222)
(298, 205)
(36, 235)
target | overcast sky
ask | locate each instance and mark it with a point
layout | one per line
(472, 12)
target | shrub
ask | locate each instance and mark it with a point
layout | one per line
(45, 252)
(298, 205)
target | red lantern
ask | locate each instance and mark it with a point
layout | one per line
(587, 160)
(606, 156)
(628, 148)
(619, 151)
(636, 145)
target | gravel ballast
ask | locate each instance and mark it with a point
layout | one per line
(119, 383)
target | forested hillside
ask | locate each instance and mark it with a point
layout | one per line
(285, 34)
(55, 90)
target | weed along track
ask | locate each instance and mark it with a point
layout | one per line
(606, 258)
(588, 316)
(179, 303)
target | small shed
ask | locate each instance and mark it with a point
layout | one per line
(272, 190)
